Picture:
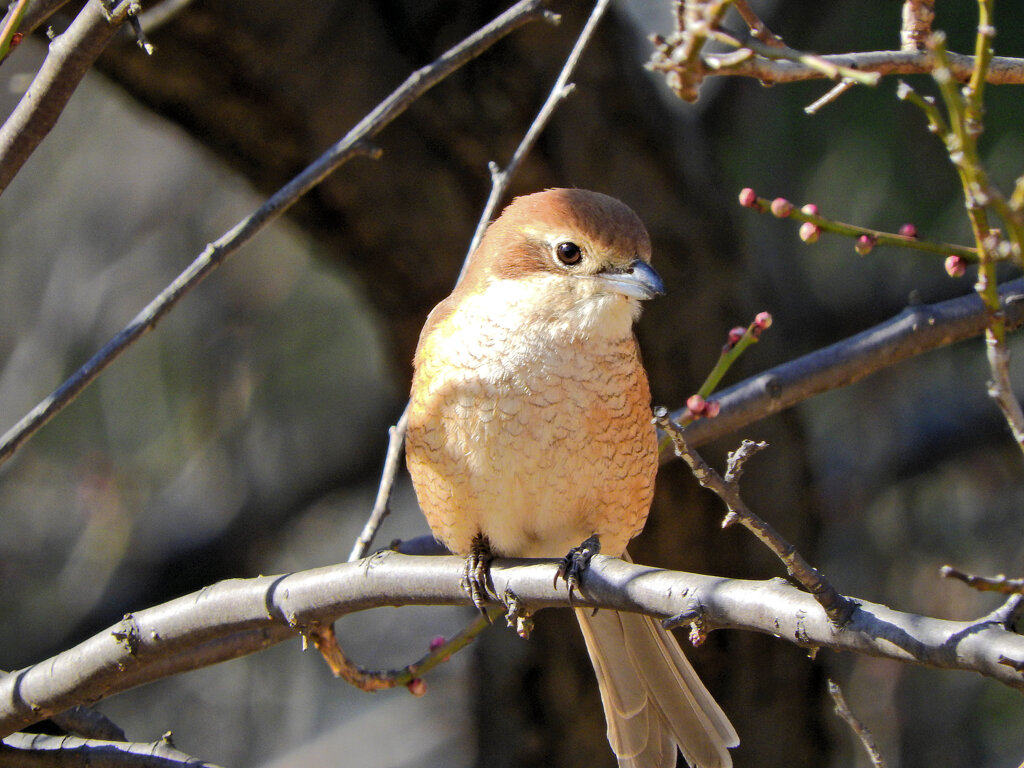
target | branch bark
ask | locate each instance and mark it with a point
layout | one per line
(21, 750)
(1004, 70)
(236, 617)
(916, 330)
(69, 58)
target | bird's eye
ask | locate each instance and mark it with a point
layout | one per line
(569, 253)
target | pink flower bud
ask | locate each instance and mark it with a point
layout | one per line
(734, 336)
(763, 320)
(712, 408)
(417, 686)
(781, 207)
(908, 230)
(809, 232)
(864, 245)
(696, 404)
(956, 266)
(810, 209)
(436, 643)
(748, 198)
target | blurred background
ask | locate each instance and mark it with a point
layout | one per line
(245, 436)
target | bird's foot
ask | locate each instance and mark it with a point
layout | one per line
(517, 616)
(576, 562)
(476, 578)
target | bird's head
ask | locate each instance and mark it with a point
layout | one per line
(582, 257)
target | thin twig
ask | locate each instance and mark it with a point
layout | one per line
(757, 27)
(500, 180)
(859, 729)
(984, 583)
(831, 95)
(353, 144)
(70, 57)
(838, 608)
(241, 616)
(783, 209)
(381, 505)
(410, 675)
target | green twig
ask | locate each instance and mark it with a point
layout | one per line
(783, 209)
(10, 28)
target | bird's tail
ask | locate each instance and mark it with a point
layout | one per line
(653, 700)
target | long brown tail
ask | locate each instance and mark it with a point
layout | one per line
(653, 699)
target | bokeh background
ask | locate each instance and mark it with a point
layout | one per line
(246, 434)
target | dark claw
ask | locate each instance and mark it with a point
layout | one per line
(576, 562)
(476, 578)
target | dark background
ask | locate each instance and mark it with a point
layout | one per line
(246, 434)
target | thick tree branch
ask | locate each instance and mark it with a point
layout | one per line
(23, 750)
(236, 617)
(916, 330)
(70, 57)
(354, 143)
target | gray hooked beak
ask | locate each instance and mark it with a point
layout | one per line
(638, 280)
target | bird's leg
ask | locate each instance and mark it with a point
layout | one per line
(476, 578)
(576, 562)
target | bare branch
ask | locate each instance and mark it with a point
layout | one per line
(21, 750)
(859, 729)
(354, 143)
(727, 489)
(916, 330)
(236, 617)
(1002, 71)
(392, 461)
(69, 58)
(984, 583)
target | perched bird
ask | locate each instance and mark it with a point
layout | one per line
(530, 431)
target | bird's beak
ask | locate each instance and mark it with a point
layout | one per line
(638, 280)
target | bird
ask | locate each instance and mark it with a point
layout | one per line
(530, 432)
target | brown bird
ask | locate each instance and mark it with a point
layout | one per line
(530, 431)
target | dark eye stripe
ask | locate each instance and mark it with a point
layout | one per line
(568, 253)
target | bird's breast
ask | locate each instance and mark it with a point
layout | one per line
(528, 432)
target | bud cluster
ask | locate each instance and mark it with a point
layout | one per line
(701, 408)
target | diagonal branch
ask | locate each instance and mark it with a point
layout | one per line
(354, 143)
(240, 616)
(70, 57)
(917, 329)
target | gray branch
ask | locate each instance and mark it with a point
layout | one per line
(237, 617)
(1003, 70)
(69, 58)
(916, 330)
(23, 750)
